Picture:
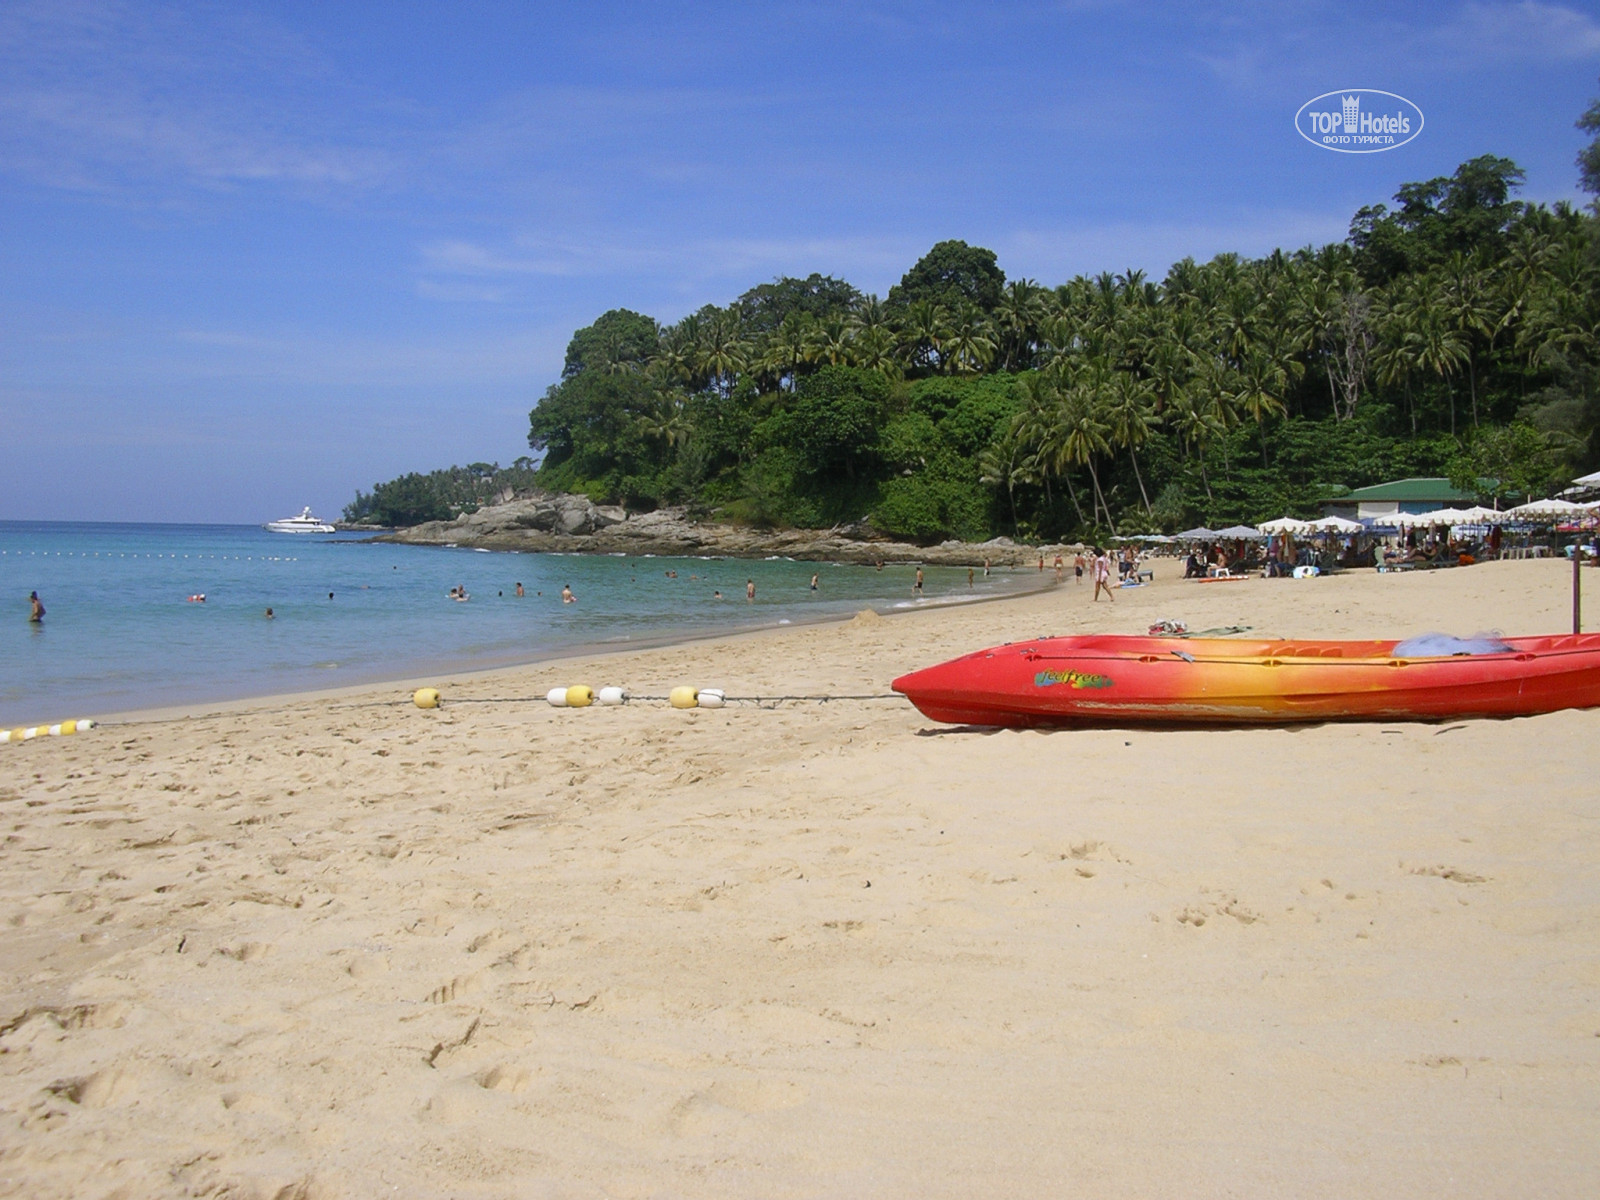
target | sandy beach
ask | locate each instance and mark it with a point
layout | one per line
(337, 946)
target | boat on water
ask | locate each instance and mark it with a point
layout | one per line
(304, 523)
(1109, 679)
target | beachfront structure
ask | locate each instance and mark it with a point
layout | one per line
(1397, 496)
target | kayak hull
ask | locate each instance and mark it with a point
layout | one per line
(1108, 679)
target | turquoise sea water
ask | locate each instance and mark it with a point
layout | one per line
(121, 634)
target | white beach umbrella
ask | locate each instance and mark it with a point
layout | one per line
(1240, 531)
(1546, 510)
(1337, 525)
(1200, 534)
(1285, 525)
(1482, 516)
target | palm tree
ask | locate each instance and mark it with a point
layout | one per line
(665, 420)
(1035, 426)
(726, 351)
(787, 348)
(968, 347)
(1261, 381)
(1437, 346)
(1463, 289)
(874, 349)
(1395, 320)
(1007, 463)
(922, 334)
(1017, 321)
(830, 341)
(1129, 414)
(1083, 434)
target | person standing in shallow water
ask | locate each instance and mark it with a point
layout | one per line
(749, 589)
(36, 608)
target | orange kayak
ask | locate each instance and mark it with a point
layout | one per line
(1108, 679)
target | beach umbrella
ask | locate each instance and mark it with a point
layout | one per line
(1201, 534)
(1338, 525)
(1285, 525)
(1544, 510)
(1482, 516)
(1440, 516)
(1239, 531)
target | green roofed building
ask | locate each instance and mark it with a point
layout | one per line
(1398, 496)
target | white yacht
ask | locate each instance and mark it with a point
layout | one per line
(304, 523)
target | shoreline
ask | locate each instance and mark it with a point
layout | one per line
(595, 651)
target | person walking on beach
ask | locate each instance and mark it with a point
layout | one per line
(566, 594)
(36, 611)
(750, 590)
(1077, 567)
(1102, 575)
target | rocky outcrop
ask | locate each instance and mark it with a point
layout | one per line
(575, 524)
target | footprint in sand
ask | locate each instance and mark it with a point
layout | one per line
(247, 951)
(367, 966)
(113, 1085)
(458, 988)
(504, 1078)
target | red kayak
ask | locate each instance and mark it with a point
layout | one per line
(1108, 679)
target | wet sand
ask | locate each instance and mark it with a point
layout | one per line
(339, 946)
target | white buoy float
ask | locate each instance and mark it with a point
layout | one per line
(613, 695)
(556, 697)
(711, 698)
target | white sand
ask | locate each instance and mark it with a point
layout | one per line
(326, 949)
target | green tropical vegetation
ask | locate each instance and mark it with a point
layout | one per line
(1454, 332)
(440, 495)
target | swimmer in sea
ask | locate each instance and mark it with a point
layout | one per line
(813, 583)
(566, 594)
(36, 612)
(749, 589)
(269, 614)
(520, 592)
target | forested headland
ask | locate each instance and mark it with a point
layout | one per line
(1456, 331)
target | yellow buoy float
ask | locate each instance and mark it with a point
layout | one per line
(425, 697)
(683, 697)
(580, 696)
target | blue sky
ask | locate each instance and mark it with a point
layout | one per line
(253, 256)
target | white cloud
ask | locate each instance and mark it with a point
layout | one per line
(1528, 30)
(109, 97)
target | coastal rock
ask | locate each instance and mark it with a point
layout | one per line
(543, 521)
